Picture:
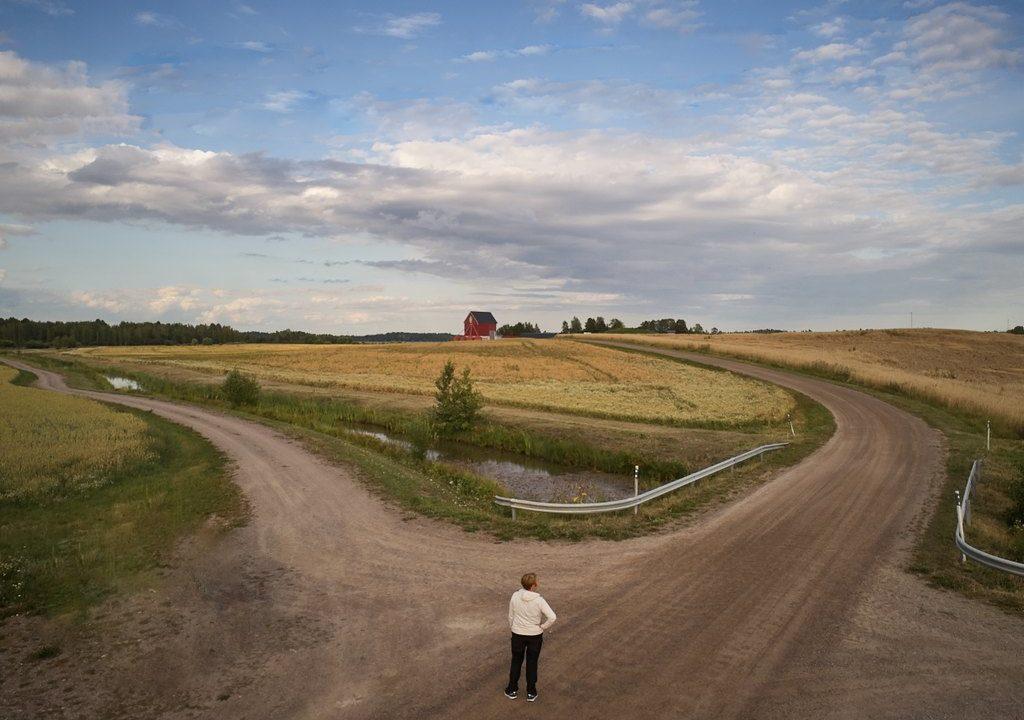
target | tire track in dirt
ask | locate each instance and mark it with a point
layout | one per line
(769, 607)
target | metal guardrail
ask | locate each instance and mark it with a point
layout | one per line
(629, 502)
(963, 514)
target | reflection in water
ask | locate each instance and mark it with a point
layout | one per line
(524, 477)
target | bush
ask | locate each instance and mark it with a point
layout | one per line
(457, 402)
(239, 389)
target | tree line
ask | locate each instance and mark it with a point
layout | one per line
(519, 328)
(664, 325)
(39, 334)
(592, 325)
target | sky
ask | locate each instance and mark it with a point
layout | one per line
(356, 167)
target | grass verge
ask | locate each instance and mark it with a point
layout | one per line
(440, 491)
(64, 553)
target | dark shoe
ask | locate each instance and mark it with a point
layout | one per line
(512, 695)
(530, 697)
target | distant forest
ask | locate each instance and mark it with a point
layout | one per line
(25, 333)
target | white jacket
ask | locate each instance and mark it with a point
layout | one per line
(529, 613)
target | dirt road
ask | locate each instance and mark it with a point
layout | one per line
(788, 603)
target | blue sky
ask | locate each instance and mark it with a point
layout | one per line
(355, 167)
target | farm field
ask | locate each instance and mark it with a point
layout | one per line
(54, 445)
(955, 381)
(980, 373)
(547, 375)
(92, 496)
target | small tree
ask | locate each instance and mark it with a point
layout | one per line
(600, 325)
(576, 326)
(239, 389)
(616, 324)
(457, 402)
(565, 327)
(680, 327)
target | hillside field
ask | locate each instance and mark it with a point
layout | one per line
(980, 373)
(543, 374)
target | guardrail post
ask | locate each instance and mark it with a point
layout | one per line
(792, 430)
(988, 435)
(513, 512)
(636, 487)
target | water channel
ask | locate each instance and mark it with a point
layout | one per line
(525, 477)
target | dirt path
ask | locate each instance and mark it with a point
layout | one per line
(788, 603)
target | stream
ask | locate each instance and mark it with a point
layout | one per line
(525, 477)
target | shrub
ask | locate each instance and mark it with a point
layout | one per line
(239, 389)
(457, 402)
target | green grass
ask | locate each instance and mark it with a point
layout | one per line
(60, 555)
(24, 378)
(935, 556)
(440, 491)
(76, 374)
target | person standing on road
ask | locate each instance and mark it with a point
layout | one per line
(529, 615)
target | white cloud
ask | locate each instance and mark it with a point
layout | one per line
(169, 297)
(3, 274)
(959, 37)
(7, 231)
(481, 56)
(148, 18)
(255, 46)
(54, 8)
(529, 50)
(607, 14)
(682, 16)
(829, 28)
(851, 74)
(284, 101)
(39, 102)
(828, 53)
(408, 27)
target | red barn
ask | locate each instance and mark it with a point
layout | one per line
(479, 325)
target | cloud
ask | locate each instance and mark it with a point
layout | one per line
(255, 46)
(680, 16)
(829, 28)
(530, 50)
(284, 101)
(592, 102)
(174, 297)
(39, 103)
(959, 37)
(547, 10)
(54, 8)
(828, 53)
(607, 14)
(411, 119)
(7, 231)
(408, 27)
(481, 56)
(491, 55)
(148, 18)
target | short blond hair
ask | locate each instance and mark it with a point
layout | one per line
(529, 580)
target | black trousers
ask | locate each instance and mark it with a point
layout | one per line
(527, 646)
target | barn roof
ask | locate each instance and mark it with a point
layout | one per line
(482, 318)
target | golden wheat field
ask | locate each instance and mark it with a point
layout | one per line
(551, 375)
(52, 444)
(982, 373)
